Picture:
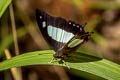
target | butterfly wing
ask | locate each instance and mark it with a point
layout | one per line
(57, 31)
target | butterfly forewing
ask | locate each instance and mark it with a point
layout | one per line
(57, 31)
(63, 36)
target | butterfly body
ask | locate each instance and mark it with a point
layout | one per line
(72, 45)
(63, 36)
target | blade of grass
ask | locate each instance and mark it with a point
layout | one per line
(13, 70)
(18, 70)
(103, 68)
(14, 29)
(3, 6)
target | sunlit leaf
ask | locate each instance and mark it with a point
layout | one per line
(3, 6)
(102, 68)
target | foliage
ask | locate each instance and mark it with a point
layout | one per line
(3, 6)
(103, 68)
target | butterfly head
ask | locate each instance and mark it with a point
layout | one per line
(86, 36)
(81, 27)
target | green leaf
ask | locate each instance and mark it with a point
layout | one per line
(3, 6)
(102, 68)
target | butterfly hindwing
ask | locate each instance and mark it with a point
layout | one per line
(54, 29)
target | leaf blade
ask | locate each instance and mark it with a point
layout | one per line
(102, 68)
(3, 6)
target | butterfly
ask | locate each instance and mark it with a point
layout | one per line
(63, 36)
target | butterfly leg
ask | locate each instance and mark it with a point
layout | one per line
(65, 63)
(51, 60)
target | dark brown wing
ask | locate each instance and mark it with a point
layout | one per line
(57, 31)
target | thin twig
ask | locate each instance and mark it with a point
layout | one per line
(14, 29)
(19, 72)
(13, 70)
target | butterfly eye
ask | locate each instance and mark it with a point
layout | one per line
(40, 17)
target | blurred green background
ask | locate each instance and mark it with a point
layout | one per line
(103, 17)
